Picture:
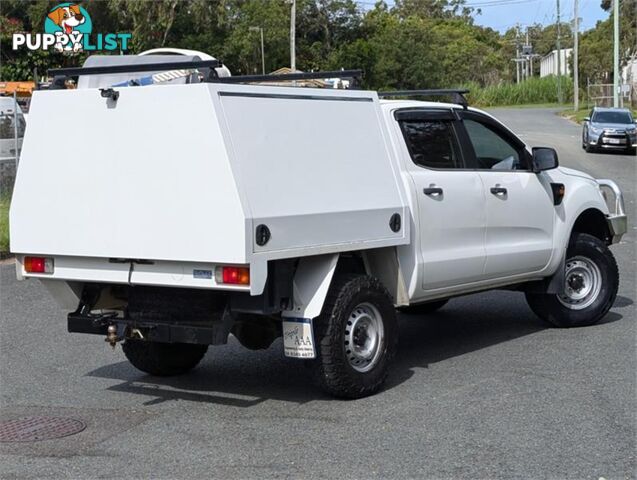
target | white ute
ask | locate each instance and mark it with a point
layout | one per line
(170, 216)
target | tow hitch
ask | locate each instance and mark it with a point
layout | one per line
(111, 336)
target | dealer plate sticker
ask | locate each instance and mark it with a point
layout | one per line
(298, 338)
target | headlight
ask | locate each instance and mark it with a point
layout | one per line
(632, 131)
(596, 130)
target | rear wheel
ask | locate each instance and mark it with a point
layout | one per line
(163, 359)
(357, 336)
(424, 308)
(590, 286)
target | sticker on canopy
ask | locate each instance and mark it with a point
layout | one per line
(298, 338)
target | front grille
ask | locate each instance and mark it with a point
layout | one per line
(613, 138)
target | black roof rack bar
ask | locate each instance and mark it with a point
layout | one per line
(134, 68)
(289, 77)
(457, 95)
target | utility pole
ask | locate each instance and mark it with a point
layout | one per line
(293, 36)
(559, 54)
(517, 54)
(528, 57)
(575, 57)
(260, 29)
(616, 53)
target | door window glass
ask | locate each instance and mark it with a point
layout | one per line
(432, 143)
(492, 151)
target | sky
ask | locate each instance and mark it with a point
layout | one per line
(504, 14)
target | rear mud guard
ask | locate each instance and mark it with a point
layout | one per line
(310, 286)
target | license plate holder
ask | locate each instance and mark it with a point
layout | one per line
(613, 141)
(298, 338)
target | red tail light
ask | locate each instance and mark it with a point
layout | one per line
(38, 265)
(233, 275)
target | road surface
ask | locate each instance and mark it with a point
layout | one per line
(481, 389)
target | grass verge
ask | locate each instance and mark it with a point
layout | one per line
(5, 200)
(534, 91)
(579, 116)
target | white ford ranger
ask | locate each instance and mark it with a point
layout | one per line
(169, 216)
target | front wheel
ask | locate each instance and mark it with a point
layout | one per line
(591, 282)
(356, 337)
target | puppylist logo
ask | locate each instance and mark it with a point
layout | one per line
(68, 28)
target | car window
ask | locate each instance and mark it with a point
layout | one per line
(612, 117)
(432, 143)
(493, 152)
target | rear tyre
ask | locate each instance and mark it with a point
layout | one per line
(356, 337)
(163, 359)
(424, 308)
(590, 287)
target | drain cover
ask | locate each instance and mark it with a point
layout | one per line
(32, 429)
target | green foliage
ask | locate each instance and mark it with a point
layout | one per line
(533, 91)
(408, 44)
(4, 223)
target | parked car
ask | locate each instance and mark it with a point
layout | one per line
(187, 212)
(609, 129)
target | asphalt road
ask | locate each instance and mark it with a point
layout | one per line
(480, 390)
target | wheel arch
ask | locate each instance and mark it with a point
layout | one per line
(314, 276)
(593, 222)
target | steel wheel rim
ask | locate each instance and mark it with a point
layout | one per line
(364, 337)
(582, 283)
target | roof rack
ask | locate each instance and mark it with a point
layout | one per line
(457, 95)
(60, 75)
(133, 68)
(290, 77)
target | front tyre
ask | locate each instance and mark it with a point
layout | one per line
(357, 337)
(590, 286)
(163, 359)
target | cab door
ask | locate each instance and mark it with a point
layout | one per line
(519, 203)
(450, 200)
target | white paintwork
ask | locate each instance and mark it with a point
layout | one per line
(537, 232)
(519, 225)
(310, 285)
(159, 273)
(181, 175)
(185, 173)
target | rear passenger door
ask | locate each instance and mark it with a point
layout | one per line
(519, 203)
(450, 200)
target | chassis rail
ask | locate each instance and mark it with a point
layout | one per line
(206, 333)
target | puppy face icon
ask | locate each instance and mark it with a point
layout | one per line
(67, 18)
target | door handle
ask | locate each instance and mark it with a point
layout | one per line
(498, 190)
(432, 191)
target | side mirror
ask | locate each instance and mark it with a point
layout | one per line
(587, 119)
(544, 158)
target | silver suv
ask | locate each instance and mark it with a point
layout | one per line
(609, 128)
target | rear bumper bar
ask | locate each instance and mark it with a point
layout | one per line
(617, 220)
(208, 333)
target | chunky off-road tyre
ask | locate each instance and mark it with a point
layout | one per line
(590, 287)
(424, 308)
(163, 359)
(356, 337)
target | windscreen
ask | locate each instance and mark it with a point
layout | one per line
(612, 117)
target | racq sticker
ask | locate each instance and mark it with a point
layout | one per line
(298, 338)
